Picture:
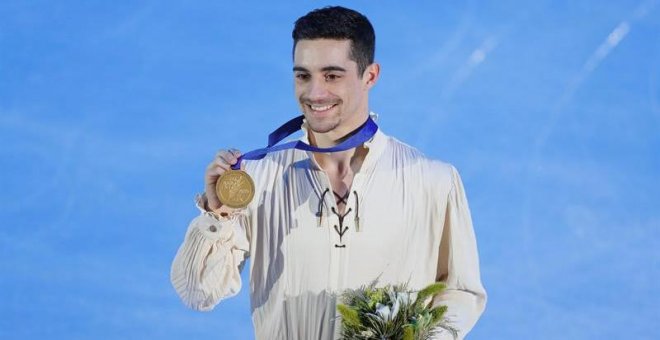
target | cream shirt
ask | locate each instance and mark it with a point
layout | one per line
(406, 220)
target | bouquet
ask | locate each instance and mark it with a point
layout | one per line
(392, 312)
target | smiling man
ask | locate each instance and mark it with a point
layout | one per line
(333, 90)
(322, 222)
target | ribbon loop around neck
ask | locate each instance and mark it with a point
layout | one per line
(362, 134)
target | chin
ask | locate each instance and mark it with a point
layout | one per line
(322, 127)
(321, 124)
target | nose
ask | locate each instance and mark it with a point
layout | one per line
(317, 89)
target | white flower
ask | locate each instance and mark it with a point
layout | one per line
(368, 332)
(403, 298)
(395, 308)
(400, 299)
(383, 311)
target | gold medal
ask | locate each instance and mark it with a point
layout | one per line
(235, 189)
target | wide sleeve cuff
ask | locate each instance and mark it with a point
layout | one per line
(215, 227)
(207, 266)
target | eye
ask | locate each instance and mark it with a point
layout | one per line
(332, 77)
(302, 76)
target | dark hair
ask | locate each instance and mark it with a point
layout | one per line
(339, 23)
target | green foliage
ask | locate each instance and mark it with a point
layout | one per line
(390, 312)
(408, 333)
(349, 316)
(430, 290)
(437, 313)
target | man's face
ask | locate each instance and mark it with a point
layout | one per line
(332, 96)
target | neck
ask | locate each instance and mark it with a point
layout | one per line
(343, 161)
(338, 134)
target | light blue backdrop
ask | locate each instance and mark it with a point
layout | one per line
(110, 111)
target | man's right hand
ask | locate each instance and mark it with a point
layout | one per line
(222, 162)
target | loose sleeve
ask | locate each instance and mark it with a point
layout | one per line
(458, 264)
(207, 266)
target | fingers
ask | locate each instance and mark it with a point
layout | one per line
(235, 152)
(219, 166)
(222, 162)
(227, 157)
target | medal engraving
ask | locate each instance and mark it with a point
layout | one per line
(235, 189)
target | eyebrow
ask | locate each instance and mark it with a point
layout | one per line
(324, 69)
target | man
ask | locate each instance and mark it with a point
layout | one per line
(324, 222)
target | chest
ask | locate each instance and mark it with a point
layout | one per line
(340, 186)
(380, 220)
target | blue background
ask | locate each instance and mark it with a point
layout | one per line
(110, 111)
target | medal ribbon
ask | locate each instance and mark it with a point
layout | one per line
(361, 135)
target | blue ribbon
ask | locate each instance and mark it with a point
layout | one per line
(362, 134)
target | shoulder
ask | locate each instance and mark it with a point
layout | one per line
(408, 156)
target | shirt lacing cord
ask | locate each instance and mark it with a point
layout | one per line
(340, 229)
(319, 210)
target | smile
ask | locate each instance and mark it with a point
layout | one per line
(321, 108)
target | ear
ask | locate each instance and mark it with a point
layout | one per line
(370, 75)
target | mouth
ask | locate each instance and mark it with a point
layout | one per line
(320, 109)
